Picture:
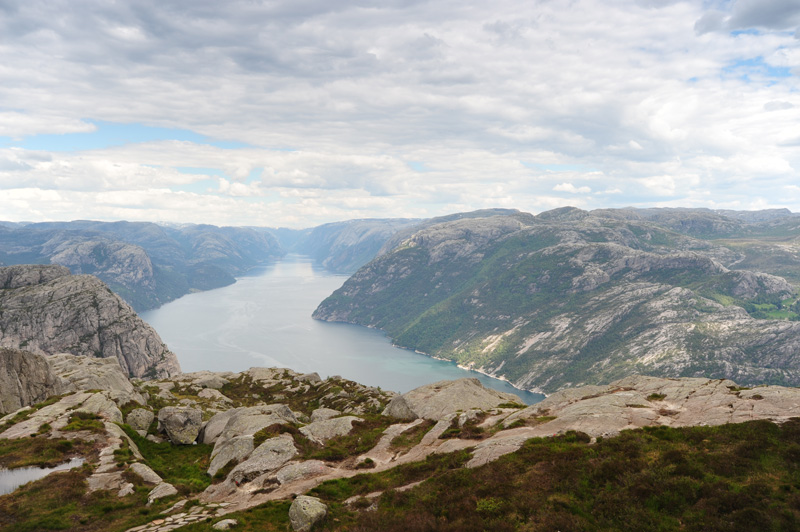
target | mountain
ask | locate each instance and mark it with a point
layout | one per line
(45, 310)
(570, 297)
(147, 264)
(343, 247)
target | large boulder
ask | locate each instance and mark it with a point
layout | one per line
(25, 378)
(248, 421)
(235, 449)
(322, 431)
(437, 400)
(182, 424)
(305, 512)
(267, 457)
(140, 419)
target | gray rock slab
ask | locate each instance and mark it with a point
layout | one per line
(162, 490)
(321, 414)
(267, 457)
(322, 431)
(225, 524)
(234, 449)
(145, 473)
(305, 512)
(434, 401)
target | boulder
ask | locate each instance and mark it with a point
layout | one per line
(322, 431)
(214, 426)
(434, 401)
(159, 492)
(225, 524)
(248, 421)
(267, 457)
(294, 471)
(306, 512)
(310, 378)
(147, 475)
(25, 379)
(237, 448)
(140, 419)
(182, 424)
(321, 414)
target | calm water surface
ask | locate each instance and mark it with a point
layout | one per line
(264, 319)
(11, 479)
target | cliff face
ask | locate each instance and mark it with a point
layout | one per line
(570, 298)
(25, 379)
(45, 310)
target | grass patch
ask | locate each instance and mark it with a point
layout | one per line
(84, 421)
(411, 437)
(183, 466)
(40, 451)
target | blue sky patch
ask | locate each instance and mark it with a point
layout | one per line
(109, 134)
(745, 68)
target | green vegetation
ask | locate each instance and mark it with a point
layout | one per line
(40, 451)
(84, 421)
(732, 477)
(183, 466)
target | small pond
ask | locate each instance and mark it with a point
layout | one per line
(11, 479)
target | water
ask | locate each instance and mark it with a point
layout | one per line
(264, 319)
(11, 479)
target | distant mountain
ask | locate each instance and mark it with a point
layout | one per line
(147, 264)
(571, 297)
(344, 247)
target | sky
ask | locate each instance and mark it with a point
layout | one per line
(300, 112)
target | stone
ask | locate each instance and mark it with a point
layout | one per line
(399, 408)
(267, 457)
(234, 449)
(225, 524)
(213, 395)
(147, 475)
(101, 404)
(434, 401)
(248, 421)
(306, 512)
(182, 424)
(160, 491)
(214, 426)
(127, 489)
(294, 471)
(81, 373)
(321, 414)
(140, 419)
(25, 378)
(310, 377)
(322, 431)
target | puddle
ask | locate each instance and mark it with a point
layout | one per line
(11, 479)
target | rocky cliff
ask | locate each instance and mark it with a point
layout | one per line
(25, 378)
(46, 310)
(569, 298)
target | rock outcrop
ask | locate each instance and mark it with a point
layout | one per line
(25, 378)
(45, 310)
(437, 400)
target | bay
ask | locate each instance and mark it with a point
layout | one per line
(264, 319)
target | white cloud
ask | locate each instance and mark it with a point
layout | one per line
(335, 99)
(572, 189)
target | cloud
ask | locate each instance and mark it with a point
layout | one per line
(572, 189)
(319, 106)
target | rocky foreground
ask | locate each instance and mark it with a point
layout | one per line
(274, 434)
